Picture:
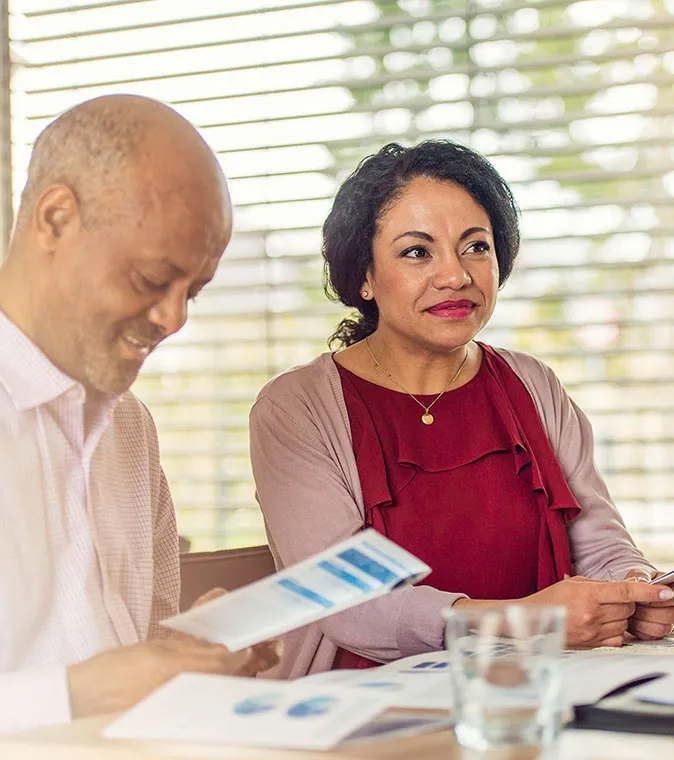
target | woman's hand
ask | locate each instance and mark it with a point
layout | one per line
(598, 613)
(650, 621)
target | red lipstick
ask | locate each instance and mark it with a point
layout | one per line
(453, 309)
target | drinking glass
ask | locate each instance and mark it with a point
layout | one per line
(505, 664)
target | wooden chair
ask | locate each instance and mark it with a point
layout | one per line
(229, 568)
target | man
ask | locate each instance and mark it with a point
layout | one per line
(123, 221)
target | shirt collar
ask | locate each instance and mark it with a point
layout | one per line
(29, 377)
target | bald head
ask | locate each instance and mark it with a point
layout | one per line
(98, 147)
(123, 220)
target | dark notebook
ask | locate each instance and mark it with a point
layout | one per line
(620, 711)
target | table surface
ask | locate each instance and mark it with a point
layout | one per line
(82, 740)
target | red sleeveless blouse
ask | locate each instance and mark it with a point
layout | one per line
(478, 495)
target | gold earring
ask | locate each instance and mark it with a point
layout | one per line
(365, 294)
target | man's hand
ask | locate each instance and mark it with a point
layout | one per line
(117, 679)
(598, 613)
(264, 655)
(209, 596)
(650, 621)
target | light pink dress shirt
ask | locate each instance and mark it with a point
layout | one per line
(88, 541)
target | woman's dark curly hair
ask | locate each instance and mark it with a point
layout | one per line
(351, 226)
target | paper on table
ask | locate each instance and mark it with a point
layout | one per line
(433, 669)
(362, 568)
(660, 691)
(428, 662)
(197, 708)
(414, 689)
(396, 725)
(587, 675)
(590, 676)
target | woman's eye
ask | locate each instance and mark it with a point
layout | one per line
(479, 246)
(418, 252)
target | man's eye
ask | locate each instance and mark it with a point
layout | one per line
(151, 286)
(417, 252)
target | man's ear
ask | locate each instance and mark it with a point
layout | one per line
(56, 211)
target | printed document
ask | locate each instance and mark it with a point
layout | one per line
(589, 676)
(195, 708)
(419, 682)
(659, 692)
(362, 568)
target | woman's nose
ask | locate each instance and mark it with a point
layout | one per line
(451, 273)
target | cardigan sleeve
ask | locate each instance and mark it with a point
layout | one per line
(308, 505)
(601, 546)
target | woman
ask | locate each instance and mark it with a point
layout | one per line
(472, 458)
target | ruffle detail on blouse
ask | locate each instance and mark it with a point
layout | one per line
(556, 504)
(497, 394)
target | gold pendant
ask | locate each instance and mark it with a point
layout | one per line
(427, 418)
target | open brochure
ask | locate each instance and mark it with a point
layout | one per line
(204, 709)
(362, 568)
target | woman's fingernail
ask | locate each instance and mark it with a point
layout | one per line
(666, 594)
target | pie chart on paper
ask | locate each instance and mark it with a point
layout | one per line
(313, 707)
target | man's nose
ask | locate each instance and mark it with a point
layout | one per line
(170, 313)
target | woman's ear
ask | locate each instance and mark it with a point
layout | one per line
(366, 289)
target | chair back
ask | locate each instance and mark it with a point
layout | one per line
(229, 568)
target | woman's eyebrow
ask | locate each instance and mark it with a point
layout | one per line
(415, 233)
(471, 230)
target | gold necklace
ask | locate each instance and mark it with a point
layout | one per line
(427, 418)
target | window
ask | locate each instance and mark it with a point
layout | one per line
(572, 101)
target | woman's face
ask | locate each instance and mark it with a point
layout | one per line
(434, 275)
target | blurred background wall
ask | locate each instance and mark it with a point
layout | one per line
(572, 101)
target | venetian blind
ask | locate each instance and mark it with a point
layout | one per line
(572, 101)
